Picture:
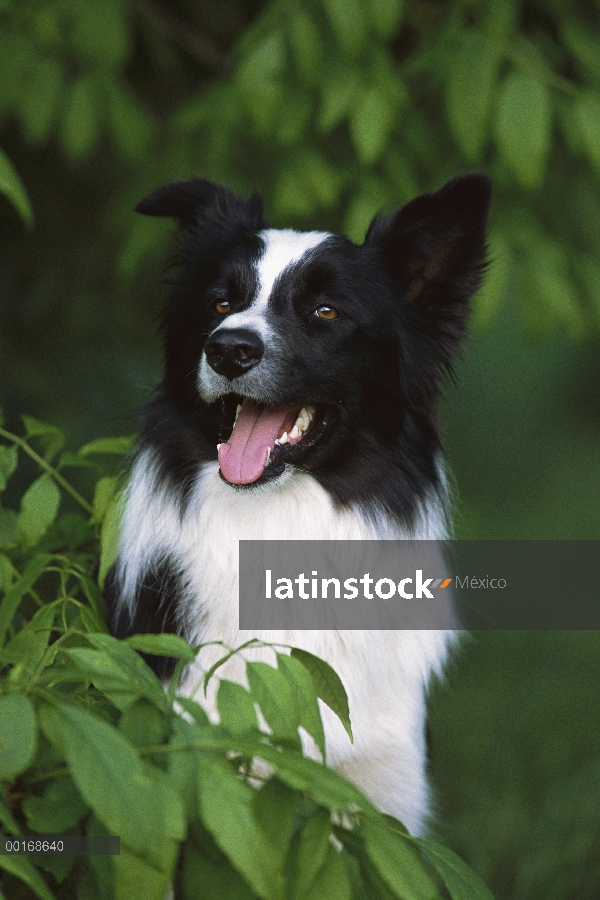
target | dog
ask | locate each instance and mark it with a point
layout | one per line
(299, 401)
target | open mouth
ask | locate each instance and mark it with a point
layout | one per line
(264, 438)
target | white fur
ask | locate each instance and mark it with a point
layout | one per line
(283, 248)
(385, 673)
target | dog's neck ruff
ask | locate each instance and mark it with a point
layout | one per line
(217, 516)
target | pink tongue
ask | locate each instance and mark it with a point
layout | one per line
(243, 458)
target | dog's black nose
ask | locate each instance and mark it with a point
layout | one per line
(233, 351)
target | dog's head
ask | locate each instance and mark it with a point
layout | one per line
(308, 345)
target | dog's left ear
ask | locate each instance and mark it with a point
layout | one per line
(198, 202)
(435, 245)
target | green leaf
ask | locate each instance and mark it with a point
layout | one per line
(29, 645)
(364, 205)
(8, 528)
(143, 724)
(306, 183)
(331, 882)
(523, 126)
(110, 534)
(371, 122)
(236, 708)
(347, 19)
(182, 768)
(100, 33)
(52, 437)
(7, 819)
(80, 119)
(587, 112)
(273, 693)
(118, 671)
(132, 127)
(495, 285)
(589, 271)
(21, 867)
(226, 809)
(209, 878)
(324, 785)
(549, 288)
(12, 598)
(398, 862)
(193, 709)
(470, 90)
(303, 686)
(72, 460)
(94, 598)
(277, 807)
(257, 78)
(18, 734)
(461, 881)
(384, 16)
(104, 491)
(583, 44)
(135, 877)
(327, 685)
(12, 187)
(162, 645)
(8, 463)
(307, 46)
(145, 237)
(41, 100)
(312, 848)
(58, 809)
(143, 810)
(58, 865)
(39, 506)
(338, 92)
(7, 572)
(117, 445)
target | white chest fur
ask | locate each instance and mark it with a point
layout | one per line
(385, 672)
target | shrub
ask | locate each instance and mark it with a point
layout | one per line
(91, 743)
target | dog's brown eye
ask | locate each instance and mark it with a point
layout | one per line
(223, 307)
(326, 312)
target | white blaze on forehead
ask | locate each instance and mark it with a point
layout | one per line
(282, 249)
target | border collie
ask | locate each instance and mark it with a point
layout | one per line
(302, 375)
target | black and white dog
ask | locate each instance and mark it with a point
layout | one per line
(302, 375)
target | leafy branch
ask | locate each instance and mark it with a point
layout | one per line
(45, 465)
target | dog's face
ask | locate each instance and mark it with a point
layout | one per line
(300, 342)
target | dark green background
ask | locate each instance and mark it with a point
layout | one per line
(333, 109)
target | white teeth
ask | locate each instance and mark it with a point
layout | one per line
(219, 447)
(302, 424)
(237, 412)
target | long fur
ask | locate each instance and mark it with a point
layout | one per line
(372, 470)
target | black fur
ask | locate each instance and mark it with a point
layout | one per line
(403, 297)
(155, 611)
(374, 372)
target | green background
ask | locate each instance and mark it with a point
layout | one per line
(334, 109)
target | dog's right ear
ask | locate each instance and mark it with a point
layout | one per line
(197, 199)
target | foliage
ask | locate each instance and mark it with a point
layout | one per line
(91, 743)
(336, 109)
